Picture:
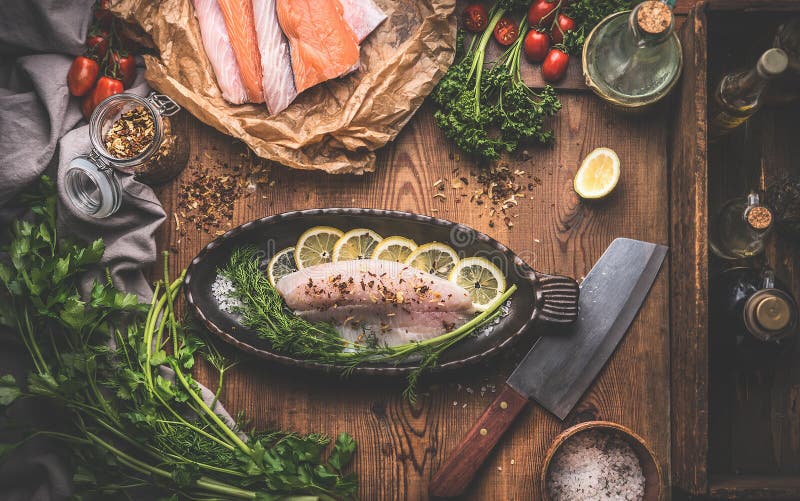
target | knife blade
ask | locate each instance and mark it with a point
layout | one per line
(559, 368)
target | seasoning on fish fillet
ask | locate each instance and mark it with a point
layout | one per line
(365, 325)
(363, 16)
(385, 286)
(240, 21)
(276, 64)
(219, 50)
(322, 44)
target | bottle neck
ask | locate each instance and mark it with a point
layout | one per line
(651, 23)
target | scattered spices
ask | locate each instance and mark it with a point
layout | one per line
(207, 198)
(496, 187)
(131, 134)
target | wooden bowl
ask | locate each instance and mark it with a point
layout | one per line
(650, 466)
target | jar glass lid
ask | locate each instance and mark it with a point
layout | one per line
(92, 190)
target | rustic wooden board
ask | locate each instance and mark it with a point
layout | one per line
(734, 435)
(689, 266)
(400, 446)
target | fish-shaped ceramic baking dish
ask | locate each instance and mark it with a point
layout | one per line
(540, 303)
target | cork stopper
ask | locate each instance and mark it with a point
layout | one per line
(759, 217)
(772, 63)
(654, 17)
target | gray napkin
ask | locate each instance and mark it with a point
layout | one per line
(38, 120)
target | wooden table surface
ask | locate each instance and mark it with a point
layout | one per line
(400, 446)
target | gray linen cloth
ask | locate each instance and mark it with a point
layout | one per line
(41, 129)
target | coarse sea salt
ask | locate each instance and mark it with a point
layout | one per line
(224, 293)
(595, 465)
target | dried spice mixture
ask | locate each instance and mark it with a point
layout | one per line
(131, 134)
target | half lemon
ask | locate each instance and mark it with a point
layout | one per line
(355, 244)
(315, 246)
(482, 280)
(598, 174)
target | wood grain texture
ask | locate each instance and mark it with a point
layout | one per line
(458, 471)
(689, 265)
(400, 446)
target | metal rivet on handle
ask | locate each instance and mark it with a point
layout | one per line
(503, 405)
(484, 431)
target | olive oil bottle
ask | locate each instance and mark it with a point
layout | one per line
(738, 96)
(739, 229)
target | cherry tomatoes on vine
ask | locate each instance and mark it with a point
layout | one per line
(98, 43)
(505, 31)
(563, 25)
(555, 65)
(127, 67)
(476, 18)
(541, 12)
(82, 75)
(536, 45)
(106, 87)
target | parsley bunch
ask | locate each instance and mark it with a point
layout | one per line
(130, 428)
(587, 14)
(490, 110)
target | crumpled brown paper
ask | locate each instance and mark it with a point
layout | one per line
(335, 126)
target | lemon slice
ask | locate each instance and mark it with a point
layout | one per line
(598, 174)
(355, 244)
(394, 249)
(482, 280)
(434, 258)
(315, 246)
(280, 265)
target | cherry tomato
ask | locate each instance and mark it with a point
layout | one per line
(87, 105)
(127, 67)
(536, 45)
(541, 12)
(82, 75)
(98, 43)
(563, 25)
(101, 12)
(555, 65)
(106, 87)
(475, 18)
(505, 31)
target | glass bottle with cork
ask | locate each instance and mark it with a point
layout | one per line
(738, 96)
(756, 317)
(632, 59)
(740, 228)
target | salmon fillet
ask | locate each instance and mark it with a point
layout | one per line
(240, 21)
(363, 16)
(219, 50)
(323, 46)
(278, 80)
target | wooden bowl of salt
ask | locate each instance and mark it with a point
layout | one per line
(600, 460)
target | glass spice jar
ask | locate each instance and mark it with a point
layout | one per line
(131, 134)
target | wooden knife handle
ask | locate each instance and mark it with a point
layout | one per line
(456, 474)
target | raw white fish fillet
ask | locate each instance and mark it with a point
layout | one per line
(219, 50)
(384, 286)
(363, 324)
(363, 16)
(276, 63)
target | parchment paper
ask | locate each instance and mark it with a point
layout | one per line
(336, 126)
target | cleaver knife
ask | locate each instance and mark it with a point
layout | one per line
(559, 368)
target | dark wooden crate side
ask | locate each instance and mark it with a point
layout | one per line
(689, 265)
